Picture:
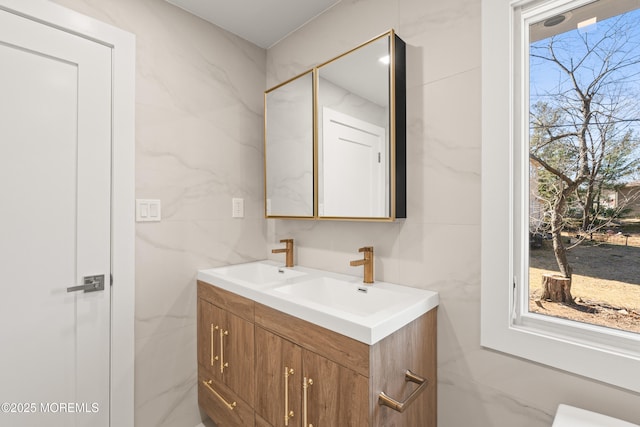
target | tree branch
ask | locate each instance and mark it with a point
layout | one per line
(551, 169)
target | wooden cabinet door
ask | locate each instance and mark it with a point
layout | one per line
(210, 320)
(337, 396)
(237, 352)
(278, 381)
(226, 349)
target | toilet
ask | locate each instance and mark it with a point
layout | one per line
(569, 416)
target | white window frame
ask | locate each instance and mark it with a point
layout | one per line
(603, 354)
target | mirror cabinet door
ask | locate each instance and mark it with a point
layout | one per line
(359, 104)
(289, 149)
(357, 138)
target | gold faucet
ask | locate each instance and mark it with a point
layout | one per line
(288, 250)
(367, 261)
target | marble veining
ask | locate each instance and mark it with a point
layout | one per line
(438, 246)
(199, 123)
(199, 94)
(289, 148)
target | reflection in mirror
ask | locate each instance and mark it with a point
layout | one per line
(357, 132)
(289, 148)
(353, 174)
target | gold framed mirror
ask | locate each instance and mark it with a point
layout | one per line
(356, 137)
(289, 148)
(360, 158)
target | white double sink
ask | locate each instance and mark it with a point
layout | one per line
(338, 302)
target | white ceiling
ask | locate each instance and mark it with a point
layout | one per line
(262, 22)
(601, 10)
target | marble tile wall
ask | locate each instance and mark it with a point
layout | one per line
(199, 109)
(438, 246)
(199, 143)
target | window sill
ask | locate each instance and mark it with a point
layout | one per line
(608, 356)
(597, 338)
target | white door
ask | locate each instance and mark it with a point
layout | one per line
(55, 161)
(353, 165)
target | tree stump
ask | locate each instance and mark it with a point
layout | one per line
(556, 288)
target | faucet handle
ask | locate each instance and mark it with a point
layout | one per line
(366, 249)
(286, 241)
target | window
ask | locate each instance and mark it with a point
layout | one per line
(560, 164)
(584, 159)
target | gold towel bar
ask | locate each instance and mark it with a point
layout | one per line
(385, 400)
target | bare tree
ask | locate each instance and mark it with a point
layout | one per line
(581, 134)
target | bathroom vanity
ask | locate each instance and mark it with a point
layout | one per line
(295, 359)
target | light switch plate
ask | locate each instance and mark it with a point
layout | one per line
(237, 208)
(148, 210)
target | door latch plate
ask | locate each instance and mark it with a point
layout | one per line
(94, 283)
(89, 284)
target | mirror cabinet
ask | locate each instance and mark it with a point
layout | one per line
(335, 137)
(289, 148)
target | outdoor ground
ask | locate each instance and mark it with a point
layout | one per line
(605, 285)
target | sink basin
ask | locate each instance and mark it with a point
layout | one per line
(338, 302)
(254, 274)
(344, 304)
(354, 298)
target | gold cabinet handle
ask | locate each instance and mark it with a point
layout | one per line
(385, 400)
(287, 413)
(306, 383)
(223, 364)
(231, 405)
(213, 358)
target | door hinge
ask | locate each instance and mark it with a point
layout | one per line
(110, 279)
(379, 157)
